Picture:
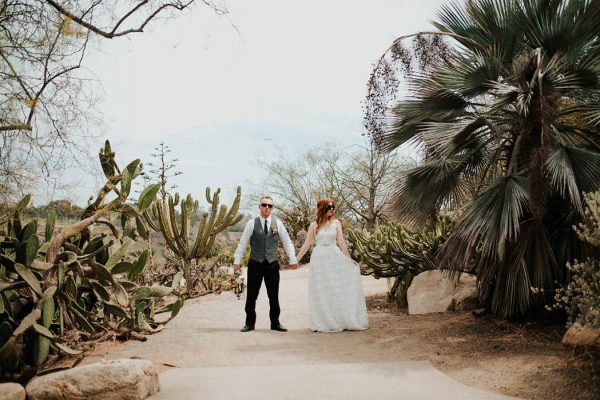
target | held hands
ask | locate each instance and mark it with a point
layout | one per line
(293, 266)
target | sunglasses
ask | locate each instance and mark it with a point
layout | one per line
(330, 207)
(266, 205)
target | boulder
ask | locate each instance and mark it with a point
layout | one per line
(433, 291)
(116, 379)
(579, 335)
(12, 391)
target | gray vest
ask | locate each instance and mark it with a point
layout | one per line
(263, 247)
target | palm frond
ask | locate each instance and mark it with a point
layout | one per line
(506, 282)
(410, 114)
(470, 73)
(487, 22)
(572, 171)
(591, 112)
(488, 223)
(445, 139)
(424, 189)
(512, 284)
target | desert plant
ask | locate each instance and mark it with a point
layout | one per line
(507, 121)
(163, 218)
(396, 252)
(70, 287)
(581, 297)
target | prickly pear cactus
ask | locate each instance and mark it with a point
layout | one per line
(72, 285)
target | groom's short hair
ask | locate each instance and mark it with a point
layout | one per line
(264, 197)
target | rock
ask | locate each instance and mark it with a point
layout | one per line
(579, 335)
(116, 379)
(480, 312)
(12, 391)
(433, 291)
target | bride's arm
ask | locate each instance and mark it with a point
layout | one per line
(340, 239)
(310, 236)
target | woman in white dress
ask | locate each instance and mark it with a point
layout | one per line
(336, 299)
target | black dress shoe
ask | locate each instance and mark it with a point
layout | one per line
(247, 328)
(278, 327)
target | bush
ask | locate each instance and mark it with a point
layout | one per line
(581, 297)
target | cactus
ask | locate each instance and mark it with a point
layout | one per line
(70, 282)
(162, 218)
(393, 251)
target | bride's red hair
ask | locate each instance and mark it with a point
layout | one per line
(322, 212)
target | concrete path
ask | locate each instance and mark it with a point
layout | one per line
(214, 360)
(394, 380)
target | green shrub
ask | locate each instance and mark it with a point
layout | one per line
(581, 297)
(73, 286)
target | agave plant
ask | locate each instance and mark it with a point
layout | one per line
(508, 124)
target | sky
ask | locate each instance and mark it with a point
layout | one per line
(226, 94)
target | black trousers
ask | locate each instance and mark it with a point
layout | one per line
(257, 271)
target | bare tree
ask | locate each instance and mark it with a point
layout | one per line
(12, 171)
(46, 98)
(364, 179)
(296, 184)
(361, 182)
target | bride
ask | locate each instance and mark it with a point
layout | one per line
(336, 300)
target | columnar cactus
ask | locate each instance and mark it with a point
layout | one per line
(163, 218)
(393, 251)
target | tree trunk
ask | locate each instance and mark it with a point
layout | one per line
(187, 273)
(371, 220)
(370, 224)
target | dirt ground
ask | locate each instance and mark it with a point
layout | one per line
(523, 360)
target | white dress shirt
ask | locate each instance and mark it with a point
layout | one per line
(283, 236)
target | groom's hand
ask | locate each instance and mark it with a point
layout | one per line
(293, 266)
(236, 268)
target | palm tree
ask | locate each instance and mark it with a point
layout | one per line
(508, 124)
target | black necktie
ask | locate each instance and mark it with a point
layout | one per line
(266, 228)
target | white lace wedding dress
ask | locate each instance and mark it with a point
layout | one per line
(336, 299)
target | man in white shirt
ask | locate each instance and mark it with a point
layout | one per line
(263, 233)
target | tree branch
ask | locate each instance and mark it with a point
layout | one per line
(73, 230)
(115, 231)
(113, 33)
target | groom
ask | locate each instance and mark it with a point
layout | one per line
(263, 233)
